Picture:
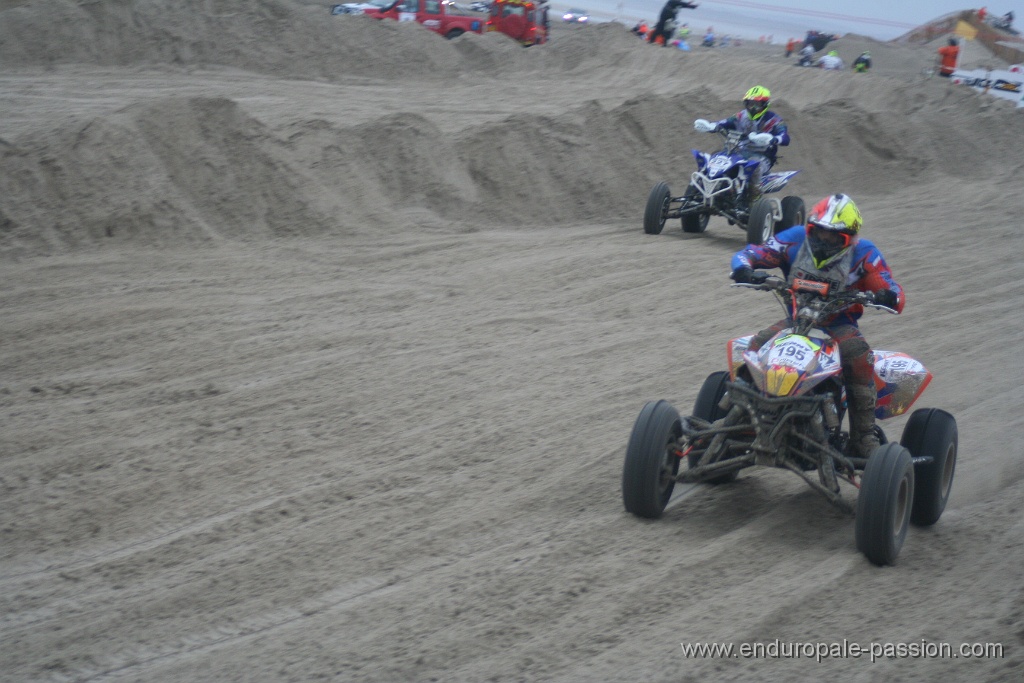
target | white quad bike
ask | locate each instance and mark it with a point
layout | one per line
(783, 406)
(718, 188)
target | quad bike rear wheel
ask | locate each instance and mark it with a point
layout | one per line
(694, 222)
(761, 223)
(884, 503)
(648, 475)
(706, 408)
(657, 208)
(931, 432)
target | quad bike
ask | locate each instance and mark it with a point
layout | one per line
(783, 406)
(719, 188)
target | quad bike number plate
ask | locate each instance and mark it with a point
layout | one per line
(719, 164)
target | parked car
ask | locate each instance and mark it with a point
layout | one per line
(358, 7)
(576, 16)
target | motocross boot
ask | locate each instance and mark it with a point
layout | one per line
(746, 200)
(755, 194)
(863, 438)
(752, 192)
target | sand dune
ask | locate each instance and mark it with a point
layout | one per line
(323, 338)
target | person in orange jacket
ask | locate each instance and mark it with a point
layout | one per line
(948, 56)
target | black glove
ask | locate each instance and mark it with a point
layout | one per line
(887, 298)
(742, 275)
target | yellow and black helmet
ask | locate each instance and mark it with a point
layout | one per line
(756, 100)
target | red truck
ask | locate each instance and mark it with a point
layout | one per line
(442, 16)
(525, 21)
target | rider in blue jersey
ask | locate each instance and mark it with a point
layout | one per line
(755, 117)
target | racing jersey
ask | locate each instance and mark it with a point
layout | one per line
(948, 55)
(830, 62)
(770, 122)
(862, 267)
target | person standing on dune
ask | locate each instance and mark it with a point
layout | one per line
(668, 14)
(948, 56)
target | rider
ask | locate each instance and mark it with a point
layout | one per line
(831, 61)
(756, 118)
(829, 249)
(862, 63)
(806, 55)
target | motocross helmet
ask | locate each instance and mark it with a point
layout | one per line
(756, 101)
(832, 227)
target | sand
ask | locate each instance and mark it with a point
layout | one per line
(323, 337)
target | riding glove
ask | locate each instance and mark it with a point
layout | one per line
(887, 298)
(742, 275)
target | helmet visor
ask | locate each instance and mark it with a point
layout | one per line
(755, 107)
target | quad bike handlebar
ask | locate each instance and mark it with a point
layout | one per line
(733, 137)
(809, 303)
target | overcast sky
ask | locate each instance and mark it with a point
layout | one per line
(880, 19)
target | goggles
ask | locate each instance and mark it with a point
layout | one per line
(828, 235)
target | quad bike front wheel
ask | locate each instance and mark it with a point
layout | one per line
(761, 223)
(794, 212)
(884, 503)
(706, 408)
(932, 433)
(648, 475)
(657, 208)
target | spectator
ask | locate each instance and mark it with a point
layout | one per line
(662, 33)
(948, 57)
(806, 55)
(862, 63)
(790, 46)
(982, 13)
(831, 61)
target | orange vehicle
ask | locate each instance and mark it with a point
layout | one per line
(523, 20)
